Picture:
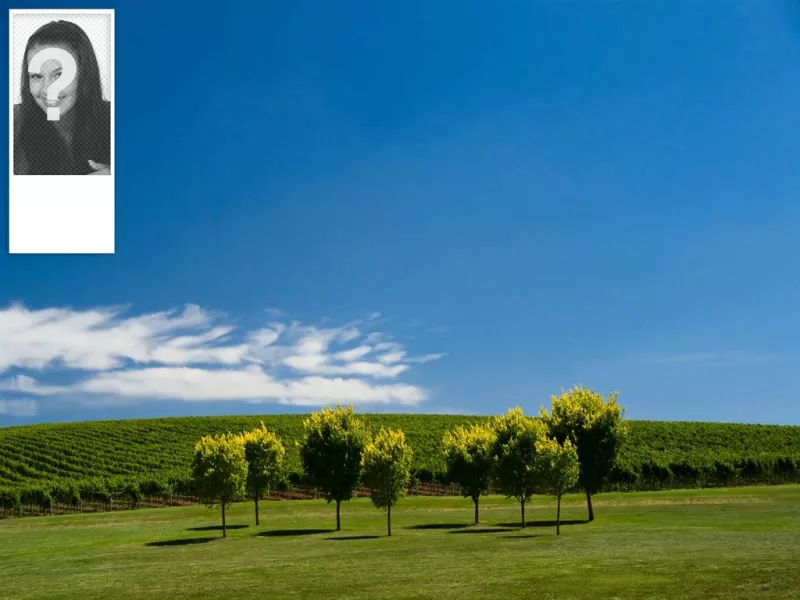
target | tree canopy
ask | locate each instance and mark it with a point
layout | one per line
(596, 429)
(387, 469)
(331, 453)
(265, 454)
(219, 469)
(557, 470)
(470, 460)
(515, 454)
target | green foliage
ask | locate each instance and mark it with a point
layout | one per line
(386, 464)
(515, 453)
(387, 467)
(10, 499)
(67, 493)
(557, 466)
(331, 451)
(219, 469)
(469, 458)
(594, 427)
(37, 496)
(106, 454)
(265, 454)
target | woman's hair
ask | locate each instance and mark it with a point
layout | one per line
(44, 148)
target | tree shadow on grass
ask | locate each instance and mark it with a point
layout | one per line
(354, 537)
(292, 532)
(525, 536)
(183, 542)
(440, 526)
(481, 530)
(216, 527)
(544, 523)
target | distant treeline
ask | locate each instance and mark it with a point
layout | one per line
(109, 464)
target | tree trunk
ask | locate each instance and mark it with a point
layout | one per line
(338, 517)
(257, 522)
(558, 517)
(589, 504)
(522, 510)
(475, 500)
(224, 531)
(389, 519)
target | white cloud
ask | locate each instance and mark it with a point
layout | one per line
(101, 354)
(354, 354)
(426, 358)
(18, 408)
(392, 357)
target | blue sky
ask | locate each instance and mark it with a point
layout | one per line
(529, 198)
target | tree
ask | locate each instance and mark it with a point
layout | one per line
(331, 453)
(264, 453)
(594, 427)
(557, 468)
(387, 470)
(219, 469)
(470, 461)
(515, 453)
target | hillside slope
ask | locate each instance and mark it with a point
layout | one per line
(656, 453)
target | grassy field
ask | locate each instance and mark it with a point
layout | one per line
(714, 543)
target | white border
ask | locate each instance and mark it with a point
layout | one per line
(60, 214)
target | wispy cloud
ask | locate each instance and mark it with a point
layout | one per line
(101, 354)
(18, 408)
(726, 358)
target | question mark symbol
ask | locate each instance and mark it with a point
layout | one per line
(68, 71)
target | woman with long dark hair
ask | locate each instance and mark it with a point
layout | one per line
(79, 142)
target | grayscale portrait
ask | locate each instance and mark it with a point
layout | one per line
(62, 121)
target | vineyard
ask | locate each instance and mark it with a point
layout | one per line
(135, 461)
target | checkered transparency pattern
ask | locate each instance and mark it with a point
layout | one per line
(96, 26)
(39, 147)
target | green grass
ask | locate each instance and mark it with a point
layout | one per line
(733, 543)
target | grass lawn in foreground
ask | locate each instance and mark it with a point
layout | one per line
(717, 543)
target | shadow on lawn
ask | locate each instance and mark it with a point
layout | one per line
(544, 523)
(291, 532)
(440, 526)
(216, 527)
(354, 537)
(183, 542)
(481, 530)
(523, 537)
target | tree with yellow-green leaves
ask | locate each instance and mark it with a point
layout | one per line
(387, 469)
(515, 454)
(264, 453)
(557, 469)
(331, 452)
(596, 429)
(470, 461)
(219, 469)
